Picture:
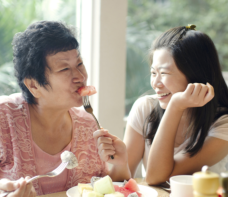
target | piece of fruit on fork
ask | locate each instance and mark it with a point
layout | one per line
(87, 90)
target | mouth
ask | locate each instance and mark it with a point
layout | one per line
(163, 95)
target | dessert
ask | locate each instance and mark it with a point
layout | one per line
(94, 179)
(116, 194)
(131, 185)
(104, 185)
(133, 195)
(87, 90)
(69, 157)
(89, 193)
(82, 187)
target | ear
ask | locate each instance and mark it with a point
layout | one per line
(33, 87)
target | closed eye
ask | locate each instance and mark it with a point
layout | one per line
(64, 69)
(80, 64)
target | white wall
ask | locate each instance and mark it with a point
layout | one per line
(102, 27)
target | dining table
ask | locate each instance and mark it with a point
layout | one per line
(140, 181)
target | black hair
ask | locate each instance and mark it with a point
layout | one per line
(196, 57)
(31, 47)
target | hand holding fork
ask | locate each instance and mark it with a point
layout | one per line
(53, 173)
(89, 109)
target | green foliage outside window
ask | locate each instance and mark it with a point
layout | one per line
(148, 18)
(15, 16)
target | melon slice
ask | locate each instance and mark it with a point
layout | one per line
(87, 90)
(82, 187)
(104, 185)
(116, 194)
(89, 193)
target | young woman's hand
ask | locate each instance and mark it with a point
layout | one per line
(195, 95)
(108, 145)
(19, 187)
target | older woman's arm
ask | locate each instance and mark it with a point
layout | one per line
(107, 145)
(19, 188)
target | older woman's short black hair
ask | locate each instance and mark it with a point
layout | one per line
(31, 47)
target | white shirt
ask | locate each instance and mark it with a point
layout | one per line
(142, 109)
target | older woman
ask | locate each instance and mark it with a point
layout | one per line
(42, 122)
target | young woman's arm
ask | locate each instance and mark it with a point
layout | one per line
(161, 162)
(135, 144)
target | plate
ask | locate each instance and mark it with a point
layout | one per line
(145, 190)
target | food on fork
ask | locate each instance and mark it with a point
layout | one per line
(87, 90)
(104, 185)
(69, 157)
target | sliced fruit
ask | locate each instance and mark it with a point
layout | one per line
(125, 191)
(116, 194)
(89, 193)
(104, 185)
(82, 186)
(87, 90)
(132, 185)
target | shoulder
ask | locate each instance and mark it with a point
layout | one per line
(219, 128)
(13, 99)
(140, 110)
(144, 104)
(13, 104)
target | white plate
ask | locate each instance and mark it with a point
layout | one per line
(145, 190)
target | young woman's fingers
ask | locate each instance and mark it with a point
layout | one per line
(189, 90)
(210, 94)
(203, 93)
(197, 89)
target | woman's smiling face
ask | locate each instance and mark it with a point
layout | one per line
(166, 78)
(67, 73)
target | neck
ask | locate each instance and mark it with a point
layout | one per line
(50, 120)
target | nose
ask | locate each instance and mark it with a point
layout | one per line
(78, 75)
(156, 82)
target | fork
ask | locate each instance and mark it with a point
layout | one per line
(57, 171)
(89, 109)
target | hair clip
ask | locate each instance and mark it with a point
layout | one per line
(190, 26)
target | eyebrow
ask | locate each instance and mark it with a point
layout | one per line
(161, 67)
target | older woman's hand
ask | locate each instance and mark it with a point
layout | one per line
(108, 144)
(19, 187)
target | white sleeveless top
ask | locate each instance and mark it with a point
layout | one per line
(142, 109)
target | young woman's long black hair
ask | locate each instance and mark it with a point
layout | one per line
(196, 57)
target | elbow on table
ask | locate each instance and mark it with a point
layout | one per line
(153, 180)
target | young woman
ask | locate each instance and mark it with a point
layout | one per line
(185, 125)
